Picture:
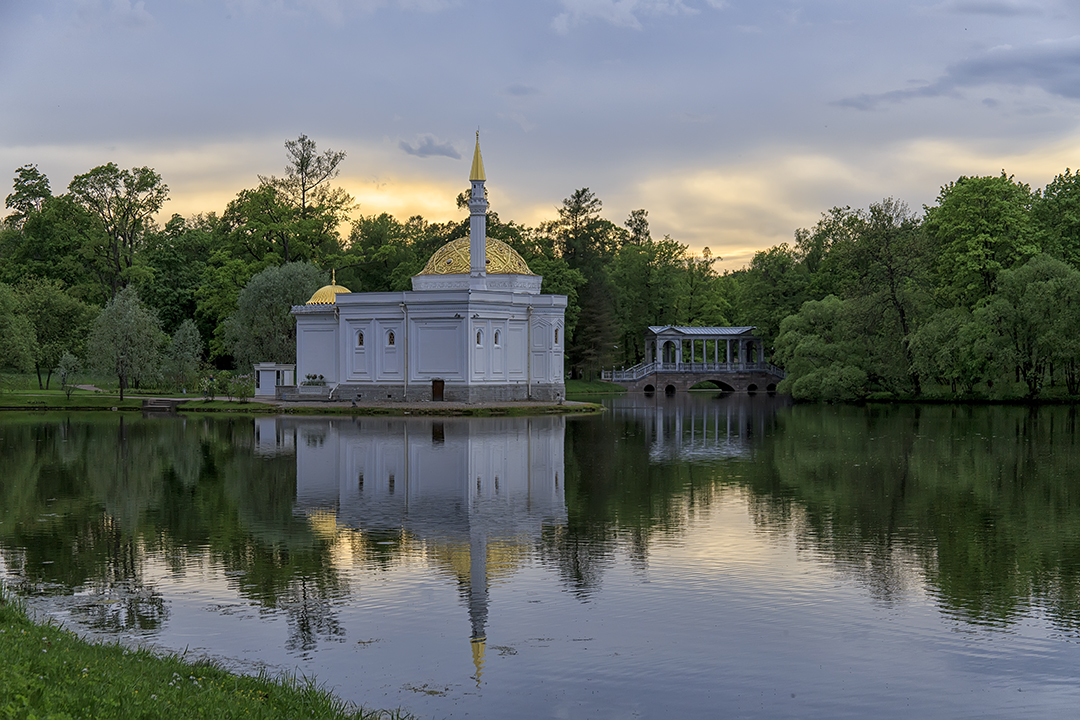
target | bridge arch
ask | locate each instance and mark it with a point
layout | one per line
(721, 385)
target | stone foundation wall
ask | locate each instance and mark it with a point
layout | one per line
(421, 392)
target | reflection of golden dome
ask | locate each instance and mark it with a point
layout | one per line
(453, 258)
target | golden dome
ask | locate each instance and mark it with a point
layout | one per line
(326, 294)
(453, 258)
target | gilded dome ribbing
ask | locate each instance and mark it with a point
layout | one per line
(453, 258)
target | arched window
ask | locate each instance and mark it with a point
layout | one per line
(390, 338)
(496, 338)
(556, 336)
(360, 338)
(479, 338)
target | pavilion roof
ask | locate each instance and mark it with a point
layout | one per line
(712, 331)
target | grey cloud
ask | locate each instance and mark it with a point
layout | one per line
(620, 13)
(428, 146)
(1004, 8)
(1052, 66)
(125, 13)
(519, 90)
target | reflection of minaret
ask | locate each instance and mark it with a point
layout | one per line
(478, 596)
(486, 486)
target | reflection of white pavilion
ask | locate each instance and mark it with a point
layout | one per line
(452, 481)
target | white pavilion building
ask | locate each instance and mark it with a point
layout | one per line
(474, 328)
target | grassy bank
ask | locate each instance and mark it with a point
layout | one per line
(47, 672)
(592, 387)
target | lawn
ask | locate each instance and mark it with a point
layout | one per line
(48, 672)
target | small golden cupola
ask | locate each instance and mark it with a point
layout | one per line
(327, 293)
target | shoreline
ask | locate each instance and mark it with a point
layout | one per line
(171, 405)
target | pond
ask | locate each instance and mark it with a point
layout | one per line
(697, 555)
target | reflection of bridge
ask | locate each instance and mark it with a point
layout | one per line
(699, 428)
(677, 358)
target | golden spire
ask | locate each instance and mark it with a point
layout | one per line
(477, 163)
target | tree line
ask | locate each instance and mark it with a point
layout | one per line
(977, 294)
(91, 275)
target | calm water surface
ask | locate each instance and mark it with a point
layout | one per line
(692, 556)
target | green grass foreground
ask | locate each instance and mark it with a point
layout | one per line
(50, 673)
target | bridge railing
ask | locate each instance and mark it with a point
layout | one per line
(635, 373)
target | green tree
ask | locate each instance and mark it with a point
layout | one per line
(262, 328)
(306, 188)
(60, 322)
(307, 176)
(125, 340)
(951, 348)
(1055, 215)
(585, 239)
(1019, 316)
(17, 339)
(646, 280)
(822, 355)
(183, 355)
(30, 193)
(65, 370)
(382, 253)
(774, 286)
(49, 243)
(262, 227)
(884, 262)
(124, 203)
(588, 243)
(701, 301)
(979, 227)
(176, 259)
(224, 276)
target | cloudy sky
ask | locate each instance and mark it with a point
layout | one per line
(733, 122)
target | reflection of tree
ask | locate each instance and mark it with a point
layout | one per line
(979, 499)
(977, 502)
(84, 500)
(617, 499)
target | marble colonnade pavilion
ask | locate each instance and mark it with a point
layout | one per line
(679, 357)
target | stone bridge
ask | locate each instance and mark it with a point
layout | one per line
(672, 377)
(677, 358)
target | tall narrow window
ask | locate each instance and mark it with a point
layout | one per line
(496, 338)
(556, 336)
(360, 339)
(479, 338)
(390, 338)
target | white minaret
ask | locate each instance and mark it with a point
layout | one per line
(478, 206)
